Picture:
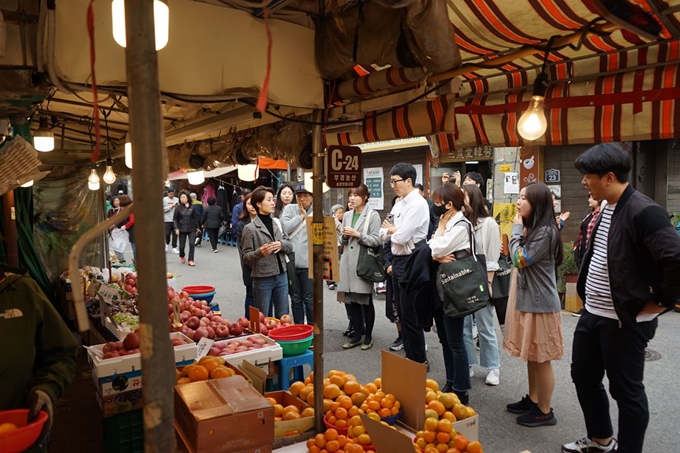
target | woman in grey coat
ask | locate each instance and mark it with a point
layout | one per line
(264, 246)
(360, 226)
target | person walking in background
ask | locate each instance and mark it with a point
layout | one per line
(451, 241)
(235, 214)
(488, 236)
(186, 224)
(360, 227)
(406, 228)
(628, 277)
(198, 207)
(115, 209)
(265, 246)
(169, 204)
(211, 220)
(285, 197)
(294, 219)
(247, 216)
(129, 224)
(584, 233)
(533, 329)
(337, 211)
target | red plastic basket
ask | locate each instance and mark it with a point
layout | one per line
(198, 289)
(25, 435)
(341, 431)
(292, 332)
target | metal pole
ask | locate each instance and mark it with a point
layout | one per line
(11, 242)
(149, 170)
(317, 237)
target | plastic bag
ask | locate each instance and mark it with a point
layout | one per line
(119, 240)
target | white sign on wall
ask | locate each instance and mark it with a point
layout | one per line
(374, 180)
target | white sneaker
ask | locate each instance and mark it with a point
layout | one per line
(167, 246)
(425, 347)
(472, 372)
(586, 445)
(493, 377)
(175, 250)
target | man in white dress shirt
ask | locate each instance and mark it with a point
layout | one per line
(406, 227)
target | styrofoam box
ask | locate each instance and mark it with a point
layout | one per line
(120, 334)
(119, 365)
(271, 352)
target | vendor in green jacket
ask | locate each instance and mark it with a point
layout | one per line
(37, 361)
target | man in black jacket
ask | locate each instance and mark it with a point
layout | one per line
(628, 277)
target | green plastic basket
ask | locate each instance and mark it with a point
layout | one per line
(295, 347)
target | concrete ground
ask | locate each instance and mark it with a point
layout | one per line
(499, 432)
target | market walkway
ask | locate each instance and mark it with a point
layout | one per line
(77, 420)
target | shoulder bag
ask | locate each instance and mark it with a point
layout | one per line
(464, 281)
(370, 263)
(501, 279)
(290, 260)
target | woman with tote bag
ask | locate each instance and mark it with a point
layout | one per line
(360, 228)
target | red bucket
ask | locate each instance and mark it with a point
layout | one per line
(292, 332)
(24, 436)
(198, 289)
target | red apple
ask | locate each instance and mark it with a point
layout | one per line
(263, 329)
(255, 346)
(262, 317)
(286, 318)
(259, 340)
(233, 344)
(214, 351)
(109, 347)
(222, 331)
(193, 322)
(246, 343)
(131, 341)
(236, 329)
(183, 295)
(226, 351)
(243, 321)
(200, 333)
(241, 349)
(211, 332)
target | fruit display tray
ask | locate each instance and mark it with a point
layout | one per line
(119, 365)
(270, 352)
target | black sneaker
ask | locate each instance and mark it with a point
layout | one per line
(448, 388)
(464, 397)
(398, 344)
(586, 445)
(522, 406)
(350, 331)
(536, 417)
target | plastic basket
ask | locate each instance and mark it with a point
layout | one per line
(198, 289)
(292, 332)
(295, 347)
(25, 435)
(124, 433)
(341, 431)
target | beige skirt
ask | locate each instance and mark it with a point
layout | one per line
(534, 337)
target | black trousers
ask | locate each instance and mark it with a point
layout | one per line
(602, 345)
(212, 234)
(413, 336)
(170, 231)
(192, 243)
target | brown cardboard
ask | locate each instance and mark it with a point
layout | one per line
(258, 378)
(468, 427)
(254, 314)
(405, 379)
(184, 447)
(386, 439)
(285, 428)
(223, 415)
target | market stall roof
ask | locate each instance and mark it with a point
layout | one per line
(183, 174)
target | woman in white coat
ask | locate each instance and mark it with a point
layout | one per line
(360, 226)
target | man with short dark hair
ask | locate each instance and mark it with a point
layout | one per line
(169, 203)
(406, 229)
(628, 277)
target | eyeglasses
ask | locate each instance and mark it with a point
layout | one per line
(393, 182)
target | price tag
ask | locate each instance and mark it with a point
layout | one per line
(112, 294)
(176, 313)
(203, 347)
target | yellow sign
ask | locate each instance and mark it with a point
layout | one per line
(506, 168)
(329, 240)
(504, 213)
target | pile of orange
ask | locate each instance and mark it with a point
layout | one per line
(289, 412)
(206, 368)
(332, 442)
(439, 440)
(442, 406)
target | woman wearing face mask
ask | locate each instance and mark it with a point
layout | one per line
(285, 197)
(247, 216)
(186, 221)
(451, 241)
(360, 226)
(488, 237)
(265, 246)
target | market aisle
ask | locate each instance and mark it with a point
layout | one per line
(78, 421)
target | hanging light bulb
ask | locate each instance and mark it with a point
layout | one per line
(196, 177)
(248, 172)
(27, 184)
(93, 179)
(128, 152)
(532, 124)
(109, 175)
(161, 22)
(43, 138)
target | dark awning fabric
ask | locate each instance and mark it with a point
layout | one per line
(613, 87)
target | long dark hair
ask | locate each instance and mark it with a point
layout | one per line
(245, 214)
(477, 209)
(542, 215)
(279, 203)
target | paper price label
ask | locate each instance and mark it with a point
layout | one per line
(203, 347)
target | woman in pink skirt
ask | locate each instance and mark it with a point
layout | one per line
(534, 325)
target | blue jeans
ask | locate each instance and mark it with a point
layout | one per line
(450, 332)
(488, 344)
(302, 301)
(271, 289)
(250, 300)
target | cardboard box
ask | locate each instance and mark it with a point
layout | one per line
(223, 415)
(120, 402)
(184, 447)
(290, 427)
(256, 376)
(228, 365)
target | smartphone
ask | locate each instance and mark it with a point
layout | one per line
(390, 218)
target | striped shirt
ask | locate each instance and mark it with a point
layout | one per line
(598, 291)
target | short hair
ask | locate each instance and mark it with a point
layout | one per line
(449, 193)
(125, 200)
(336, 207)
(245, 191)
(193, 195)
(211, 201)
(405, 171)
(258, 195)
(605, 158)
(171, 190)
(420, 187)
(361, 191)
(476, 177)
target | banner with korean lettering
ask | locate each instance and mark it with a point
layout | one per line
(374, 180)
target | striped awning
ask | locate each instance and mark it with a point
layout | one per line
(613, 86)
